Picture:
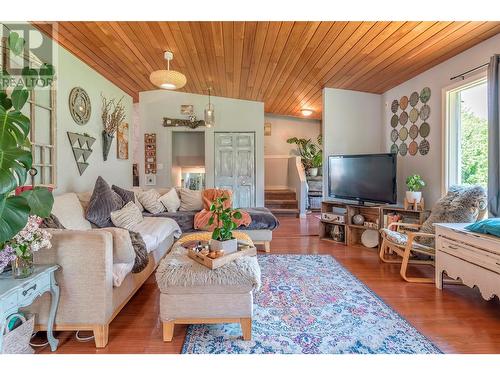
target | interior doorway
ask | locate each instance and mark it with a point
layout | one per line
(188, 159)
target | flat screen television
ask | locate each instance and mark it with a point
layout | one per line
(363, 178)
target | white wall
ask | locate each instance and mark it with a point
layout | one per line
(352, 124)
(232, 115)
(437, 78)
(72, 72)
(284, 127)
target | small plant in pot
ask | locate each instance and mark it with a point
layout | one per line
(415, 183)
(223, 216)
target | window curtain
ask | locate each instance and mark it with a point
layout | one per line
(494, 136)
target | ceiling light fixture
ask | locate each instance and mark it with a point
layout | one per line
(168, 79)
(209, 112)
(306, 112)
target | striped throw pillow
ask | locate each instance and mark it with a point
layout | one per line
(150, 201)
(127, 217)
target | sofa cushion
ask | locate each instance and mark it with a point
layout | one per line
(69, 211)
(127, 217)
(103, 202)
(150, 202)
(120, 272)
(84, 199)
(191, 200)
(125, 195)
(123, 251)
(154, 230)
(171, 200)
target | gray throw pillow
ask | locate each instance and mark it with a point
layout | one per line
(103, 201)
(126, 195)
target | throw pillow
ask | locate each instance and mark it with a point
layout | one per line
(488, 226)
(102, 203)
(171, 201)
(51, 222)
(190, 200)
(126, 195)
(127, 217)
(150, 202)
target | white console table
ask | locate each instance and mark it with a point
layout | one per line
(472, 257)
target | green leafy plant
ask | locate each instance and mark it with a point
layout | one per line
(310, 152)
(224, 218)
(415, 182)
(15, 151)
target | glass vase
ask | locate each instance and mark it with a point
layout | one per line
(23, 266)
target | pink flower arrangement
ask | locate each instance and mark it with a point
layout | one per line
(30, 239)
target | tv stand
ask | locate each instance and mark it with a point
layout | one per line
(352, 232)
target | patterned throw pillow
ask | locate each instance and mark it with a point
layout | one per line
(191, 200)
(102, 203)
(127, 217)
(150, 202)
(171, 200)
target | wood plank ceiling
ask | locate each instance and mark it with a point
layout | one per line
(283, 64)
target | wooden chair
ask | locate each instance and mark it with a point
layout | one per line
(417, 246)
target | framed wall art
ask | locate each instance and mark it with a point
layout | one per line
(122, 137)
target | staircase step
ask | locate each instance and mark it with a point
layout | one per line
(281, 203)
(279, 194)
(285, 211)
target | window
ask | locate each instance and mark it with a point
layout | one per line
(466, 134)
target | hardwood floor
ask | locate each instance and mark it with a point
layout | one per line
(456, 319)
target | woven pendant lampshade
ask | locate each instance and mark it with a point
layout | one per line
(168, 79)
(209, 112)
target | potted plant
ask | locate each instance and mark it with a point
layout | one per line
(112, 115)
(311, 153)
(415, 183)
(222, 236)
(16, 158)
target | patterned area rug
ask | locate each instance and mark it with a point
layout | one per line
(311, 304)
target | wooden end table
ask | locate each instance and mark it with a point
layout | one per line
(18, 293)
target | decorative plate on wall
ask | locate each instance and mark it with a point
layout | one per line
(403, 133)
(425, 112)
(413, 131)
(394, 106)
(403, 148)
(414, 98)
(403, 102)
(394, 135)
(79, 105)
(425, 130)
(413, 115)
(394, 149)
(425, 95)
(413, 148)
(394, 121)
(403, 118)
(424, 147)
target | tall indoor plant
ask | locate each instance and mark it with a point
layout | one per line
(310, 153)
(15, 152)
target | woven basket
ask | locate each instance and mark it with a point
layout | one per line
(17, 341)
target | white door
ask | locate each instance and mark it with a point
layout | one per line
(235, 166)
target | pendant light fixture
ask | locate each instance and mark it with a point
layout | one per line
(168, 79)
(209, 112)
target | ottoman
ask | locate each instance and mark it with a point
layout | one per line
(191, 293)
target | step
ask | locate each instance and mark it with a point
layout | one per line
(281, 203)
(285, 211)
(279, 194)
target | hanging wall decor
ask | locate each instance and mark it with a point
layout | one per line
(409, 123)
(122, 134)
(81, 144)
(79, 105)
(150, 155)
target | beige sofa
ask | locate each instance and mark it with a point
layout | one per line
(95, 278)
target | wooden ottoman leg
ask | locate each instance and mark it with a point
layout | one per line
(267, 246)
(168, 331)
(101, 333)
(246, 328)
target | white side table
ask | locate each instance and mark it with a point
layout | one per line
(18, 293)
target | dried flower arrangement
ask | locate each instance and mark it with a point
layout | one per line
(113, 114)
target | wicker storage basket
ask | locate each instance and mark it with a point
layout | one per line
(17, 341)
